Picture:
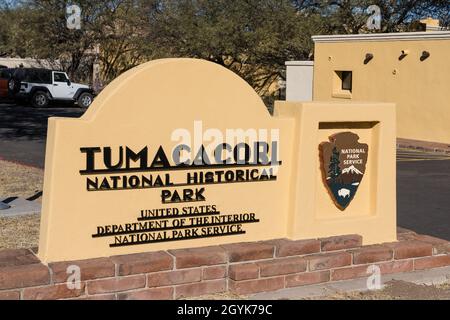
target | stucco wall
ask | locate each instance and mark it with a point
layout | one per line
(419, 88)
(299, 80)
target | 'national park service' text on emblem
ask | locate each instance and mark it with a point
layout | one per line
(343, 163)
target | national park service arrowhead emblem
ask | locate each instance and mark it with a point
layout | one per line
(343, 164)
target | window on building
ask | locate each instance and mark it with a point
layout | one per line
(346, 80)
(342, 84)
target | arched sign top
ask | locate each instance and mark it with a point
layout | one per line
(180, 86)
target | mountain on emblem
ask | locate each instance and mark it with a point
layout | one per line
(343, 164)
(351, 169)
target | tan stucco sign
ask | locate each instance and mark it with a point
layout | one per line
(183, 153)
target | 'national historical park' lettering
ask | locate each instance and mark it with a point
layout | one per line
(126, 169)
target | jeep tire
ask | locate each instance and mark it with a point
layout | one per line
(13, 86)
(39, 99)
(85, 100)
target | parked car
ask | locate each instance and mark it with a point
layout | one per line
(3, 86)
(40, 86)
(8, 85)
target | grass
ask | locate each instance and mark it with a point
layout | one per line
(399, 290)
(393, 290)
(19, 232)
(19, 181)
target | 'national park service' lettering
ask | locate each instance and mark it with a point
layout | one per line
(122, 168)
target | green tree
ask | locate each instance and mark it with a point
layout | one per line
(350, 16)
(9, 27)
(39, 30)
(253, 38)
(334, 170)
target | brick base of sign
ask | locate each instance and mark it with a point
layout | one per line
(242, 268)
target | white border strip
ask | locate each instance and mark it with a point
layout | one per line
(299, 63)
(401, 36)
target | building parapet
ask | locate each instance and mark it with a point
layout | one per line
(299, 63)
(401, 36)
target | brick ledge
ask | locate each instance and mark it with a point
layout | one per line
(241, 268)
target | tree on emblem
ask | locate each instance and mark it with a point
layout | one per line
(334, 170)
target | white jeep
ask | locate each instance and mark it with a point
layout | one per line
(40, 86)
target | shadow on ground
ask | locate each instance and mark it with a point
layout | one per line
(23, 131)
(23, 122)
(423, 201)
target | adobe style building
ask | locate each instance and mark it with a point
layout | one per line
(411, 69)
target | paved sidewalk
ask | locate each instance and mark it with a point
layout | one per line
(423, 145)
(406, 155)
(412, 280)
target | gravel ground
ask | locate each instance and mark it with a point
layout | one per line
(19, 181)
(398, 290)
(19, 232)
(393, 290)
